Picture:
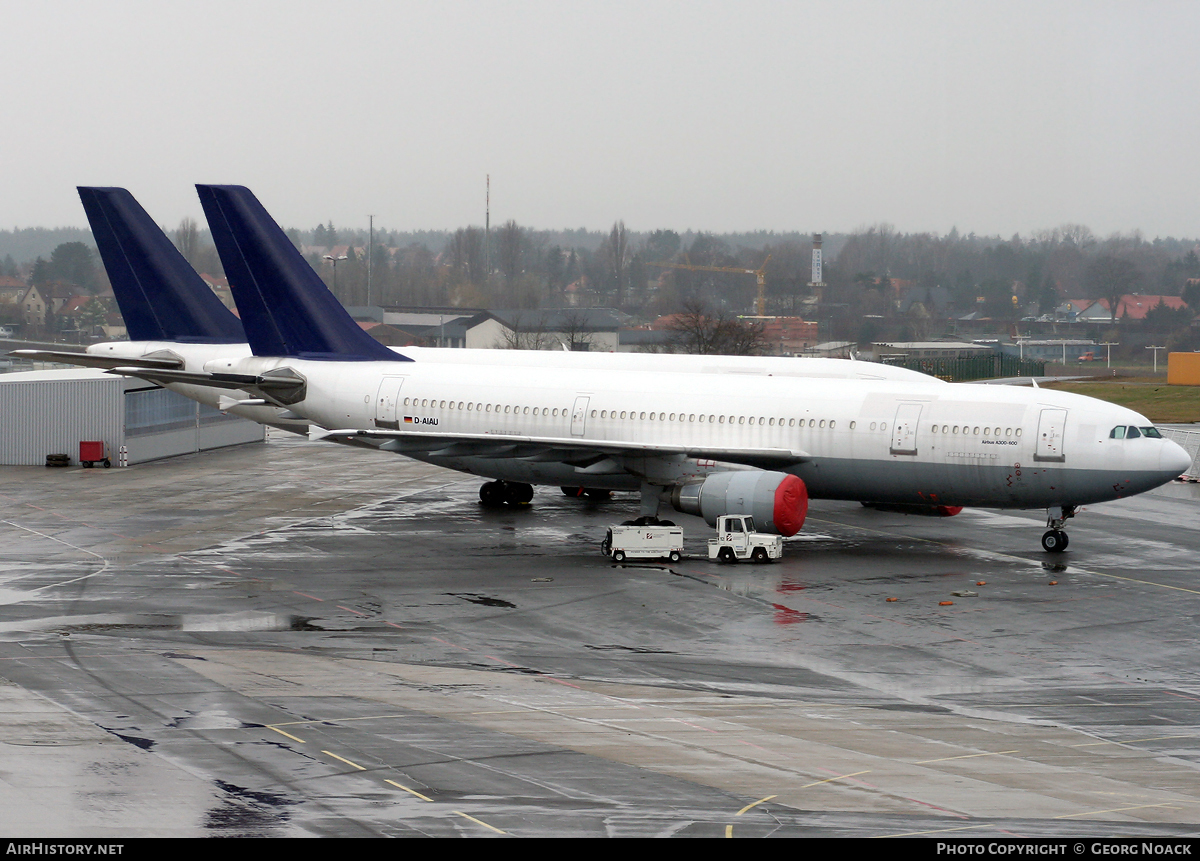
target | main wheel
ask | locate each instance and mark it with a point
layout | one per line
(516, 493)
(1054, 541)
(492, 494)
(759, 555)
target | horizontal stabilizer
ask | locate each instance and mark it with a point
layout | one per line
(280, 384)
(160, 295)
(89, 360)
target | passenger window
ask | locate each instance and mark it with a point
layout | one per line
(853, 425)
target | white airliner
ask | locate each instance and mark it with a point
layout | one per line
(709, 443)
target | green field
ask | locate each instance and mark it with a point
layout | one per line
(1151, 397)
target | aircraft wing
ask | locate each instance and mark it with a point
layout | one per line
(89, 360)
(589, 457)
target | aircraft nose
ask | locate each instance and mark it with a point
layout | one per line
(1174, 459)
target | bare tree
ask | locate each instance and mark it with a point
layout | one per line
(187, 239)
(466, 254)
(699, 330)
(574, 332)
(1111, 278)
(510, 241)
(618, 255)
(522, 337)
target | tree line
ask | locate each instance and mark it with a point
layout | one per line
(878, 281)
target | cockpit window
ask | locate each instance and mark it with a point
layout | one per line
(1118, 432)
(1132, 432)
(1151, 432)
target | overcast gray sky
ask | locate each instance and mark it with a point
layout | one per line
(995, 117)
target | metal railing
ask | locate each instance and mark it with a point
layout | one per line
(1190, 440)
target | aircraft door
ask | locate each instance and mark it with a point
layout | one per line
(579, 415)
(904, 429)
(1051, 432)
(387, 403)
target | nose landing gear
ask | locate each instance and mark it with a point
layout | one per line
(1055, 539)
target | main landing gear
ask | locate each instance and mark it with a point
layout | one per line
(497, 493)
(1055, 539)
(592, 493)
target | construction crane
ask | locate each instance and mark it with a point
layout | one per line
(760, 274)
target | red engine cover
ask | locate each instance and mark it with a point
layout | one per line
(791, 505)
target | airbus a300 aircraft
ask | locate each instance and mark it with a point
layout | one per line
(708, 444)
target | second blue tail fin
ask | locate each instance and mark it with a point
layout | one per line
(286, 309)
(160, 296)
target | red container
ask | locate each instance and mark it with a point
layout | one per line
(91, 451)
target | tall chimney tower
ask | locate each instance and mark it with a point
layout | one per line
(816, 284)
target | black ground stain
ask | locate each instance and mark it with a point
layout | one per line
(482, 599)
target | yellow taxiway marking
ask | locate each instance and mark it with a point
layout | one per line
(935, 831)
(755, 804)
(480, 822)
(333, 720)
(1009, 556)
(728, 830)
(839, 777)
(1111, 810)
(965, 756)
(343, 759)
(410, 791)
(1133, 740)
(288, 734)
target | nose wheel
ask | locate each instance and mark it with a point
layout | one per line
(1055, 539)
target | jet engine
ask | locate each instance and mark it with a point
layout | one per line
(778, 502)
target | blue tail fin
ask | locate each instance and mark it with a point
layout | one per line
(285, 307)
(160, 296)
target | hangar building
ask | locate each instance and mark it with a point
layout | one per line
(51, 412)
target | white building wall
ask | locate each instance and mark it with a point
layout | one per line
(50, 412)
